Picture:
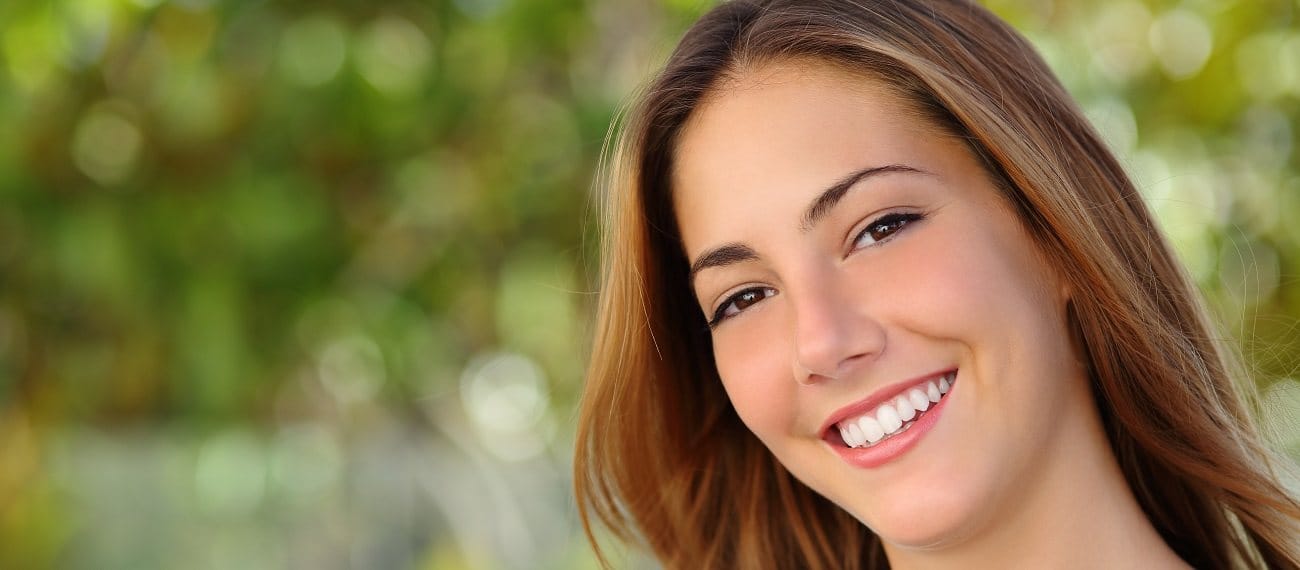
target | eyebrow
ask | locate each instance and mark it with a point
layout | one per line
(827, 200)
(723, 255)
(732, 253)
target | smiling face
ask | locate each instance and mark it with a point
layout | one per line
(848, 252)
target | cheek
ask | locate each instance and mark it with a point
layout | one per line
(989, 292)
(970, 283)
(756, 373)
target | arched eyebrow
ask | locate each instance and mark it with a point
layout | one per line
(731, 253)
(722, 255)
(827, 200)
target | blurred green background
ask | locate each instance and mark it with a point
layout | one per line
(309, 284)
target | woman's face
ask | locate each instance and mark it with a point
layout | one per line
(852, 258)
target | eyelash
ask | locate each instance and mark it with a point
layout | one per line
(897, 221)
(720, 315)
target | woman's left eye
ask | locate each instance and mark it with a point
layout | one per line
(883, 228)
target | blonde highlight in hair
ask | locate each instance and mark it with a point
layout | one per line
(661, 456)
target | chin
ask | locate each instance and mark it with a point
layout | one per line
(927, 520)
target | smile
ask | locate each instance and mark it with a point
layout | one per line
(896, 415)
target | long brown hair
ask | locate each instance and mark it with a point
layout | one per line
(663, 458)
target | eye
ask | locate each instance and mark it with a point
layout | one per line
(742, 300)
(883, 228)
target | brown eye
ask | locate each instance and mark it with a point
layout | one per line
(739, 302)
(883, 228)
(747, 298)
(882, 231)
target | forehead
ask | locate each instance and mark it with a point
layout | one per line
(787, 98)
(785, 131)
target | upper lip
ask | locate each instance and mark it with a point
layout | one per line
(877, 398)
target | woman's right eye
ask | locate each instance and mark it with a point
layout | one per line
(742, 300)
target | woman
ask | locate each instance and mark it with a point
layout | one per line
(876, 295)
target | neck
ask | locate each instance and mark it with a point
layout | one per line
(1080, 513)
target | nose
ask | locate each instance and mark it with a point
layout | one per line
(834, 331)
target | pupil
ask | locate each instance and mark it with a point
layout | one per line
(881, 231)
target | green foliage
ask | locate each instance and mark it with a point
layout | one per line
(308, 283)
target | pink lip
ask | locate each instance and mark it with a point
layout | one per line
(894, 447)
(877, 398)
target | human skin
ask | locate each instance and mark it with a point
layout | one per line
(1016, 471)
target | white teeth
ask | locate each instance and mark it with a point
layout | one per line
(904, 407)
(871, 428)
(888, 418)
(849, 439)
(891, 417)
(856, 433)
(918, 399)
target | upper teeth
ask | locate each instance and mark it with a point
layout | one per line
(893, 416)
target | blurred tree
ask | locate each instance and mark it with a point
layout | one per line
(306, 284)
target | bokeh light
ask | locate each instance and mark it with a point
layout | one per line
(309, 285)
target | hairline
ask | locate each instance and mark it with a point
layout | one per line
(737, 74)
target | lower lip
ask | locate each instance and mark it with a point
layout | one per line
(894, 447)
